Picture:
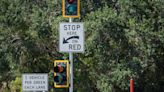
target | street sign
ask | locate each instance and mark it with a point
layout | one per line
(71, 37)
(35, 82)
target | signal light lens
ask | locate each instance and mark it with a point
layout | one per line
(59, 69)
(71, 9)
(60, 79)
(56, 79)
(70, 1)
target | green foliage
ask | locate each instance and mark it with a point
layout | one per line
(16, 85)
(124, 39)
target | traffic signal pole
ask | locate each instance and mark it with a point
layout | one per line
(71, 9)
(71, 67)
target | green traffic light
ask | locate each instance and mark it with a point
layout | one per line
(72, 9)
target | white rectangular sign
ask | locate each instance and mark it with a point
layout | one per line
(35, 82)
(71, 37)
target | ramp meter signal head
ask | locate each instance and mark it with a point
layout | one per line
(61, 73)
(71, 8)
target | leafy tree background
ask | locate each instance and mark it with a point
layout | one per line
(124, 39)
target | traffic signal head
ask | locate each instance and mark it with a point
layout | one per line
(61, 74)
(71, 8)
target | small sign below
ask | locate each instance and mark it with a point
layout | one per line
(35, 82)
(71, 37)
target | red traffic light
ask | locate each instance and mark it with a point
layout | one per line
(70, 1)
(59, 69)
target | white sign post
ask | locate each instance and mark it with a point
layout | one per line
(35, 82)
(71, 37)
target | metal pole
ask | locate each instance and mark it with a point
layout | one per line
(71, 71)
(71, 67)
(70, 20)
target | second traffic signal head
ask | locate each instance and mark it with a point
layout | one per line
(61, 73)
